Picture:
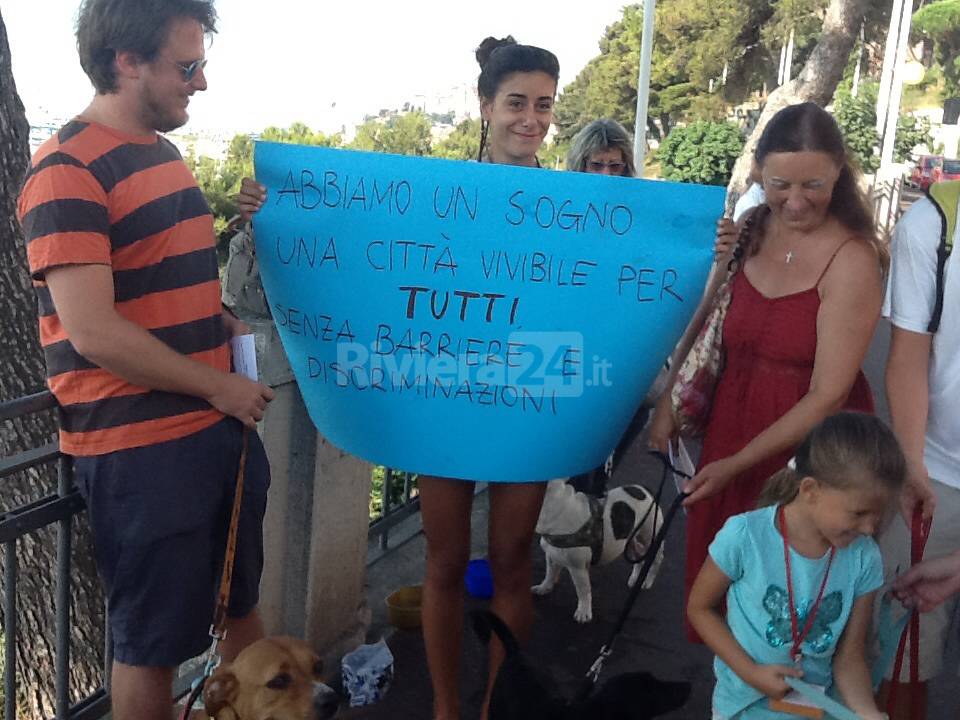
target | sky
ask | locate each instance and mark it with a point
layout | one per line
(315, 61)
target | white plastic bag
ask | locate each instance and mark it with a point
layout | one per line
(367, 673)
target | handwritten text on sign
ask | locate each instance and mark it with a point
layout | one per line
(471, 320)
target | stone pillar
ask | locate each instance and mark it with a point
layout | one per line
(337, 614)
(315, 529)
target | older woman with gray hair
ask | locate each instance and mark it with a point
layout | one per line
(604, 147)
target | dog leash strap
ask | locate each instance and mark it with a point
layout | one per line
(628, 551)
(595, 669)
(219, 624)
(223, 597)
(191, 699)
(919, 532)
(645, 568)
(594, 672)
(889, 632)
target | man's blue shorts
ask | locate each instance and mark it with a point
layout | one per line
(159, 516)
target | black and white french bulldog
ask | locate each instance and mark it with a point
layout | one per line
(578, 530)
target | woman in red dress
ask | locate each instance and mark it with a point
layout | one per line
(804, 305)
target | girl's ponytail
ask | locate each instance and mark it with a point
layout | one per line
(781, 487)
(846, 450)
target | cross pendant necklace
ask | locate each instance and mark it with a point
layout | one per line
(788, 258)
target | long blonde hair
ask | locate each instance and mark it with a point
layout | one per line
(846, 451)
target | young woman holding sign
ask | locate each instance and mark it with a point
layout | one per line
(517, 86)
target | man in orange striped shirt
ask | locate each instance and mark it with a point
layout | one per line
(121, 249)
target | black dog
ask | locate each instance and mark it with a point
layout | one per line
(522, 693)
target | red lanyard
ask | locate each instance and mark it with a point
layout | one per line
(798, 637)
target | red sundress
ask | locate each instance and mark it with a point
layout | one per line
(769, 344)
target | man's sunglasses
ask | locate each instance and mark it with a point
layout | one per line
(188, 72)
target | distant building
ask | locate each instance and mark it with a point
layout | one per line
(440, 132)
(211, 144)
(460, 101)
(39, 134)
(43, 124)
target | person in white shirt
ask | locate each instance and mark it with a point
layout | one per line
(728, 229)
(750, 199)
(923, 387)
(752, 196)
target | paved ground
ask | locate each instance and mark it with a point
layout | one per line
(652, 639)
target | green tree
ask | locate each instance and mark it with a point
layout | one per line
(702, 152)
(238, 163)
(607, 86)
(857, 118)
(369, 136)
(697, 45)
(709, 55)
(911, 132)
(462, 144)
(22, 372)
(940, 22)
(444, 118)
(220, 179)
(554, 155)
(406, 134)
(378, 477)
(299, 134)
(219, 188)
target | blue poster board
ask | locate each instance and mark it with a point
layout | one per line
(478, 321)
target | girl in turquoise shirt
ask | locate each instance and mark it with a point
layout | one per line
(799, 575)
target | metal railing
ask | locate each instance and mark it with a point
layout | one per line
(886, 203)
(393, 512)
(56, 509)
(398, 498)
(398, 502)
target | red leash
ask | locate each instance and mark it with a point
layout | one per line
(919, 532)
(796, 654)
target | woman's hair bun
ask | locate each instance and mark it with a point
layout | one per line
(489, 46)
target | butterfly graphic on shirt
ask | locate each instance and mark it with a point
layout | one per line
(820, 637)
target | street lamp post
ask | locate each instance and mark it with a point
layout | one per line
(889, 59)
(888, 136)
(643, 85)
(886, 187)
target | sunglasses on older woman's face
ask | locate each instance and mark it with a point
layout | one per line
(615, 168)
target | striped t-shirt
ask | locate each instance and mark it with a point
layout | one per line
(95, 195)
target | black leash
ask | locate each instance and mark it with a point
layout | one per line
(648, 559)
(628, 548)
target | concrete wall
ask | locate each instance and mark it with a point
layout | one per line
(315, 530)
